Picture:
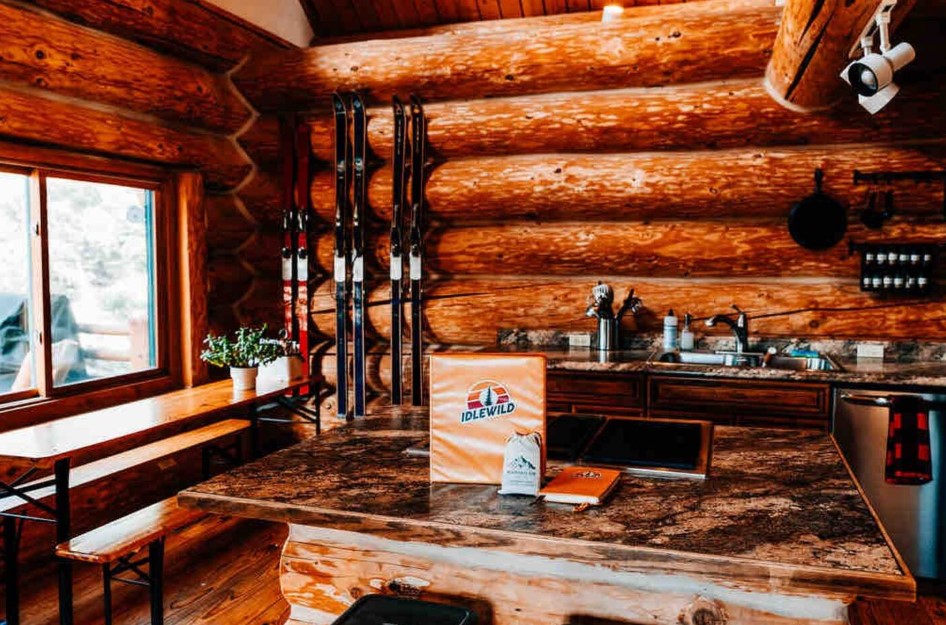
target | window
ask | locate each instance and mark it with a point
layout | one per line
(81, 258)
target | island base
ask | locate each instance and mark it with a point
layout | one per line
(324, 571)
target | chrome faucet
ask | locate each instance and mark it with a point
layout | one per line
(601, 306)
(739, 327)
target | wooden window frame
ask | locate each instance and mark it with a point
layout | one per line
(173, 247)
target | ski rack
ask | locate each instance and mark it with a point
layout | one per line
(887, 177)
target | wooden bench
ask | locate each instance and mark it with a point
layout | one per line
(114, 546)
(72, 449)
(101, 470)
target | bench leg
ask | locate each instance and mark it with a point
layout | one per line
(107, 587)
(63, 533)
(156, 572)
(11, 572)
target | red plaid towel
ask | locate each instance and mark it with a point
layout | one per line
(908, 443)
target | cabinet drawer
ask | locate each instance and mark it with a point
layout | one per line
(602, 390)
(739, 397)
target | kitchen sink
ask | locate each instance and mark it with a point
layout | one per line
(748, 359)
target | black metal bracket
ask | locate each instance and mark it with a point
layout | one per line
(308, 415)
(887, 177)
(151, 579)
(231, 454)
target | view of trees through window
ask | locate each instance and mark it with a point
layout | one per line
(100, 239)
(14, 277)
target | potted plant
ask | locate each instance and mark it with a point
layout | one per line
(243, 353)
(287, 367)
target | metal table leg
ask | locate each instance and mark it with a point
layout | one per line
(63, 531)
(11, 572)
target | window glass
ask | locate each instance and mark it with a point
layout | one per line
(16, 362)
(101, 279)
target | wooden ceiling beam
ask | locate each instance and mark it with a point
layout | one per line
(681, 43)
(813, 45)
(191, 30)
(51, 53)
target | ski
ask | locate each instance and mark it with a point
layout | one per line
(340, 268)
(418, 161)
(359, 211)
(397, 262)
(289, 232)
(302, 201)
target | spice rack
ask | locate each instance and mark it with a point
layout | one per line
(896, 268)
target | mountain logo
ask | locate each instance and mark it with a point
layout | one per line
(487, 399)
(521, 464)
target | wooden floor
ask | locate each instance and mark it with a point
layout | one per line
(220, 571)
(224, 571)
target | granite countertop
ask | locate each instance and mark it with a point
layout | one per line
(774, 498)
(852, 372)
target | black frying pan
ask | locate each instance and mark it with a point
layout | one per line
(818, 221)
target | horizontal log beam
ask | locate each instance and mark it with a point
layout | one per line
(34, 115)
(228, 280)
(228, 226)
(730, 114)
(691, 42)
(667, 249)
(471, 311)
(645, 186)
(50, 53)
(813, 45)
(261, 142)
(196, 31)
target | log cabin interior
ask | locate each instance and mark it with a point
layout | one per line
(403, 226)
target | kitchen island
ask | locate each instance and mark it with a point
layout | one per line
(778, 534)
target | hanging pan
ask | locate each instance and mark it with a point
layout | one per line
(818, 221)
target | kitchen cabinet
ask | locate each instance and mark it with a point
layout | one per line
(764, 403)
(740, 402)
(618, 394)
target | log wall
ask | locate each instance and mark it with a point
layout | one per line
(151, 83)
(579, 152)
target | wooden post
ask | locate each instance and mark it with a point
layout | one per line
(192, 275)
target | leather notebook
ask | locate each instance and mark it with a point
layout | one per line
(581, 485)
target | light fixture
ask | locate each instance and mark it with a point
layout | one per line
(611, 12)
(871, 76)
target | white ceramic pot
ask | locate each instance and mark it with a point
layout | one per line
(244, 378)
(283, 369)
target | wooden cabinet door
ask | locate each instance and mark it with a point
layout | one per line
(596, 392)
(740, 402)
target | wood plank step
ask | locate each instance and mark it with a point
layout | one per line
(126, 535)
(99, 469)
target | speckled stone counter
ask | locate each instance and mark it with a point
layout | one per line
(779, 514)
(852, 373)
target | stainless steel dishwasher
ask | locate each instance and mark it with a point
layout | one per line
(914, 516)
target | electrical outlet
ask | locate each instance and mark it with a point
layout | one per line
(577, 339)
(870, 350)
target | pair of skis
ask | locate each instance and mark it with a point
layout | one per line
(410, 158)
(351, 203)
(295, 249)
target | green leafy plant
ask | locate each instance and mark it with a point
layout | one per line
(248, 348)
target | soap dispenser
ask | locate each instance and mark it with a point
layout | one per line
(670, 331)
(686, 336)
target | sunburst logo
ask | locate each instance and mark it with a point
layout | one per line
(487, 399)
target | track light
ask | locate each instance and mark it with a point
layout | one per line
(871, 76)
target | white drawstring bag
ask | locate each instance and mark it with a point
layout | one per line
(522, 465)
